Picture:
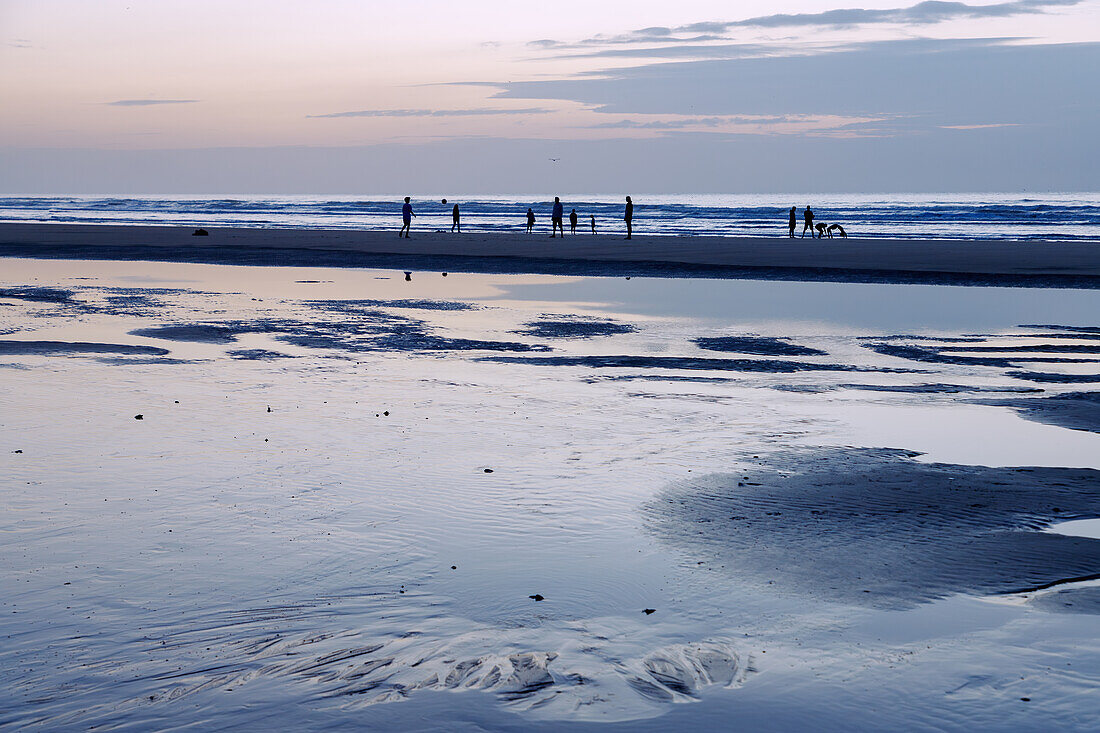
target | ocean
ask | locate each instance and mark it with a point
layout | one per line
(1061, 216)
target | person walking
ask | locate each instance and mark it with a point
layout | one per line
(556, 219)
(792, 223)
(530, 220)
(407, 214)
(456, 222)
(629, 218)
(593, 223)
(808, 222)
(573, 221)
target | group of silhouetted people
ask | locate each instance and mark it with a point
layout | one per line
(808, 225)
(557, 219)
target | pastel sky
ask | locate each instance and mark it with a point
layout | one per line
(199, 96)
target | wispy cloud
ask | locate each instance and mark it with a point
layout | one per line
(923, 13)
(148, 102)
(930, 11)
(20, 43)
(435, 112)
(980, 127)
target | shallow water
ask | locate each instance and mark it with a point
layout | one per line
(344, 489)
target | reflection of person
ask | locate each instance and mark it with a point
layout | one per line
(455, 223)
(629, 218)
(555, 219)
(406, 216)
(530, 220)
(573, 221)
(808, 222)
(593, 223)
(791, 224)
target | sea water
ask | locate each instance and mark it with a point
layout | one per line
(1062, 216)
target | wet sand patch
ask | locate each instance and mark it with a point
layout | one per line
(935, 388)
(874, 527)
(1054, 377)
(769, 366)
(757, 345)
(73, 348)
(359, 306)
(574, 327)
(936, 355)
(257, 355)
(363, 331)
(1073, 410)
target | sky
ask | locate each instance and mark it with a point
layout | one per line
(335, 96)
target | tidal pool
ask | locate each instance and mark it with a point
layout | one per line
(321, 498)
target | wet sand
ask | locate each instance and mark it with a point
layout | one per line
(340, 499)
(1030, 263)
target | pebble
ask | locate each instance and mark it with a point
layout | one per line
(139, 417)
(536, 597)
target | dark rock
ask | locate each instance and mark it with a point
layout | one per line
(488, 470)
(454, 567)
(200, 233)
(139, 417)
(408, 277)
(17, 451)
(649, 611)
(536, 597)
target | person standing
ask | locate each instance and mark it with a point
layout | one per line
(530, 220)
(808, 222)
(791, 223)
(406, 216)
(455, 220)
(629, 218)
(556, 219)
(573, 221)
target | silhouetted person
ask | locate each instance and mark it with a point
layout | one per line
(838, 229)
(406, 216)
(555, 219)
(573, 221)
(820, 231)
(530, 220)
(593, 223)
(629, 218)
(808, 222)
(791, 223)
(455, 220)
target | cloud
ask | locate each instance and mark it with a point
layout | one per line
(930, 11)
(907, 87)
(434, 112)
(148, 102)
(923, 13)
(20, 43)
(690, 122)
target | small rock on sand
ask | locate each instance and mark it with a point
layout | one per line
(537, 597)
(139, 417)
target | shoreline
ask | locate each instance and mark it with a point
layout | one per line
(998, 263)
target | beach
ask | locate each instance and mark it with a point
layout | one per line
(1032, 262)
(339, 497)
